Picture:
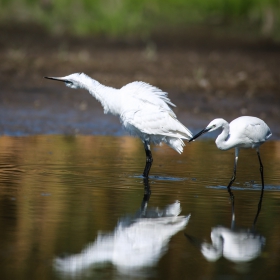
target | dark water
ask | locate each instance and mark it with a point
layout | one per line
(71, 207)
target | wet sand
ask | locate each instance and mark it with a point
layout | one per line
(205, 78)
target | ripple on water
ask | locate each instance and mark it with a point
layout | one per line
(254, 187)
(162, 178)
(57, 193)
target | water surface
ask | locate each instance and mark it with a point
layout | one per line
(68, 202)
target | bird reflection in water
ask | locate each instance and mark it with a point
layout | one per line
(137, 242)
(238, 245)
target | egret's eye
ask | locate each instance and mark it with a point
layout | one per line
(214, 125)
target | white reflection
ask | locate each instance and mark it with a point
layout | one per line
(135, 243)
(235, 244)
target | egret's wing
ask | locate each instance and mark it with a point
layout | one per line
(146, 93)
(146, 108)
(152, 121)
(251, 129)
(257, 132)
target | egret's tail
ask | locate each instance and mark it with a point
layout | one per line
(175, 143)
(180, 131)
(187, 132)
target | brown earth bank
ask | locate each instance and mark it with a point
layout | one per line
(205, 76)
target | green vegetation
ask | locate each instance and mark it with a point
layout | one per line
(142, 17)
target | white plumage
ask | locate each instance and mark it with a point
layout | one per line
(135, 244)
(243, 132)
(144, 111)
(235, 244)
(240, 245)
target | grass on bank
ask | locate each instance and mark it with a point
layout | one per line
(140, 18)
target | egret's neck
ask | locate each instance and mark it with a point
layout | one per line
(107, 96)
(222, 139)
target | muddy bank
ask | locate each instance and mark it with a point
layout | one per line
(205, 79)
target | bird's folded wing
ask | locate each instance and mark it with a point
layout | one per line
(257, 132)
(155, 122)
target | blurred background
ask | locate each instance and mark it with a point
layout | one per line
(142, 18)
(216, 58)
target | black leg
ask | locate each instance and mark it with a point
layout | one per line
(232, 178)
(261, 197)
(259, 208)
(232, 198)
(232, 210)
(261, 168)
(146, 197)
(149, 160)
(234, 174)
(229, 185)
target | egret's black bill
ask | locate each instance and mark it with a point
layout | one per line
(200, 133)
(193, 240)
(56, 79)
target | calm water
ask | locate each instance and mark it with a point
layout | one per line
(71, 207)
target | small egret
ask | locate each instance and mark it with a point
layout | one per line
(143, 111)
(243, 132)
(236, 244)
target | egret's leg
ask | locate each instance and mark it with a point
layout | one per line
(261, 167)
(146, 197)
(259, 208)
(260, 202)
(149, 159)
(232, 212)
(234, 172)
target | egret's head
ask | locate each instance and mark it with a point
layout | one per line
(73, 81)
(210, 252)
(213, 125)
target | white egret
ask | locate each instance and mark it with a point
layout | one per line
(143, 111)
(243, 132)
(236, 244)
(136, 243)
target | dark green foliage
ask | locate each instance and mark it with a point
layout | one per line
(141, 17)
